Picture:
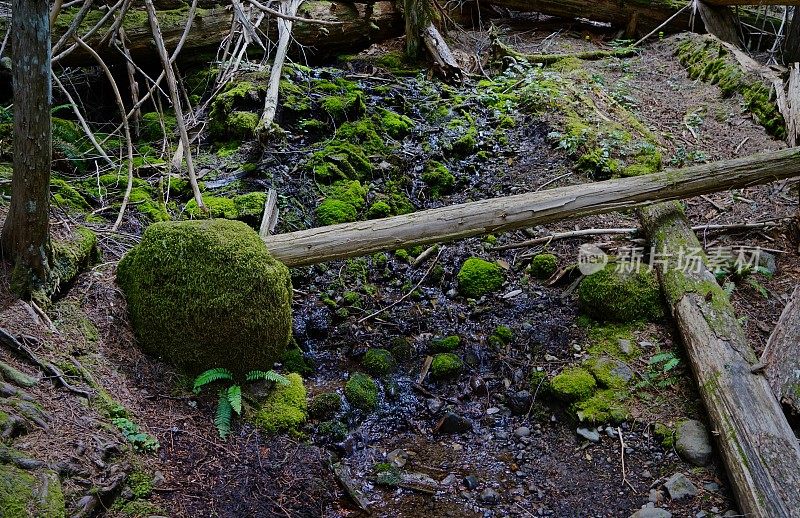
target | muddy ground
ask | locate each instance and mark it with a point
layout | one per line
(495, 469)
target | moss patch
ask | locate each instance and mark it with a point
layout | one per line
(447, 344)
(478, 277)
(285, 408)
(573, 384)
(24, 494)
(621, 296)
(378, 362)
(361, 392)
(205, 294)
(543, 266)
(446, 366)
(438, 178)
(325, 406)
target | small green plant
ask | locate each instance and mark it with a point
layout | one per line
(660, 370)
(140, 441)
(230, 398)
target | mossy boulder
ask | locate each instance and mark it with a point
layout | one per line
(446, 366)
(378, 362)
(325, 406)
(25, 493)
(361, 392)
(205, 294)
(614, 294)
(543, 266)
(447, 344)
(604, 406)
(438, 178)
(573, 384)
(285, 408)
(478, 277)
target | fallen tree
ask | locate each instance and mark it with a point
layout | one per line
(781, 357)
(322, 244)
(759, 448)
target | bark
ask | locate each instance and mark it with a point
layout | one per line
(362, 24)
(781, 357)
(444, 63)
(26, 233)
(720, 21)
(524, 210)
(417, 16)
(791, 52)
(271, 99)
(759, 448)
(792, 111)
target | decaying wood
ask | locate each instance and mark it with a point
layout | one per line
(444, 63)
(759, 448)
(289, 8)
(500, 50)
(791, 49)
(318, 245)
(342, 473)
(792, 109)
(270, 217)
(781, 357)
(719, 21)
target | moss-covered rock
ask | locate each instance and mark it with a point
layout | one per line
(379, 209)
(325, 406)
(573, 384)
(24, 493)
(229, 116)
(543, 266)
(344, 200)
(244, 206)
(446, 366)
(478, 277)
(604, 406)
(394, 124)
(361, 392)
(334, 430)
(438, 178)
(285, 408)
(622, 296)
(339, 160)
(446, 344)
(378, 362)
(205, 294)
(150, 125)
(294, 361)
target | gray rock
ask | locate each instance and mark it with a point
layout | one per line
(651, 512)
(471, 482)
(453, 423)
(522, 431)
(489, 496)
(519, 402)
(711, 486)
(449, 480)
(397, 458)
(625, 346)
(731, 513)
(693, 443)
(655, 496)
(616, 368)
(766, 261)
(678, 487)
(589, 435)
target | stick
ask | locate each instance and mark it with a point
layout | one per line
(176, 103)
(291, 17)
(270, 217)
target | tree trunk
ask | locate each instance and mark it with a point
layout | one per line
(791, 52)
(781, 357)
(759, 448)
(417, 15)
(318, 245)
(720, 21)
(26, 232)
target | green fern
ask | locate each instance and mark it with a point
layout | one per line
(234, 396)
(210, 376)
(222, 419)
(268, 376)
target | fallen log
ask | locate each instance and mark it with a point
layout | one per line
(322, 244)
(759, 448)
(444, 63)
(781, 357)
(358, 26)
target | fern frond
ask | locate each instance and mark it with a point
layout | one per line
(235, 398)
(210, 376)
(269, 375)
(222, 419)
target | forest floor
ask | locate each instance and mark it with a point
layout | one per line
(522, 456)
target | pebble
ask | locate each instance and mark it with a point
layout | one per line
(449, 480)
(625, 346)
(589, 435)
(655, 496)
(649, 511)
(678, 487)
(520, 402)
(492, 410)
(489, 496)
(550, 358)
(453, 423)
(646, 474)
(522, 431)
(711, 486)
(397, 458)
(693, 443)
(470, 482)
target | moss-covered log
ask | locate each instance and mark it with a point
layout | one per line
(781, 358)
(759, 448)
(361, 25)
(318, 245)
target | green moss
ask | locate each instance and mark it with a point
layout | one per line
(387, 474)
(71, 256)
(294, 361)
(607, 371)
(378, 362)
(324, 406)
(604, 339)
(621, 296)
(238, 97)
(395, 125)
(438, 178)
(345, 106)
(478, 277)
(285, 408)
(363, 134)
(665, 435)
(185, 275)
(402, 254)
(603, 407)
(467, 143)
(543, 266)
(66, 196)
(361, 392)
(140, 484)
(23, 494)
(445, 345)
(598, 163)
(250, 205)
(335, 430)
(351, 298)
(540, 383)
(150, 125)
(332, 212)
(141, 508)
(339, 161)
(573, 384)
(379, 209)
(217, 206)
(446, 366)
(504, 334)
(143, 201)
(294, 97)
(241, 125)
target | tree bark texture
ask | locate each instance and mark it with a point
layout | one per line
(26, 232)
(781, 357)
(791, 52)
(759, 448)
(322, 244)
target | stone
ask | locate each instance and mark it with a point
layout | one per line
(766, 261)
(651, 512)
(522, 431)
(693, 443)
(489, 496)
(589, 435)
(470, 482)
(397, 458)
(520, 402)
(449, 480)
(679, 487)
(711, 486)
(453, 423)
(625, 346)
(655, 496)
